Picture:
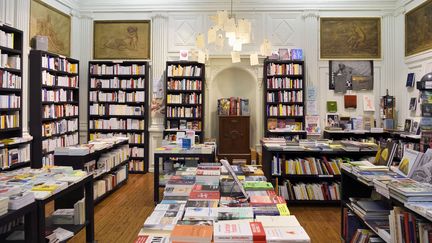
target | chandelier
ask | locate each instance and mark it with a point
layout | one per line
(237, 32)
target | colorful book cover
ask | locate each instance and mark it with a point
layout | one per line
(410, 80)
(331, 106)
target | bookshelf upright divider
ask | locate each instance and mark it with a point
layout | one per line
(284, 98)
(54, 104)
(184, 98)
(119, 105)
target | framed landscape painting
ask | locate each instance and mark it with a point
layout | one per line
(121, 39)
(48, 21)
(350, 38)
(418, 29)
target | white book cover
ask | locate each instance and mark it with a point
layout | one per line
(277, 221)
(195, 213)
(286, 234)
(409, 160)
(226, 230)
(170, 207)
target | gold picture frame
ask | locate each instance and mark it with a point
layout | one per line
(350, 38)
(47, 21)
(418, 29)
(123, 39)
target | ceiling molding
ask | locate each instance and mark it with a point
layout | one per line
(246, 5)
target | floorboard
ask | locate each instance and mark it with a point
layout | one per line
(119, 217)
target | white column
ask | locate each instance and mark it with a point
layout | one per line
(400, 69)
(388, 81)
(84, 56)
(76, 34)
(22, 20)
(310, 49)
(159, 58)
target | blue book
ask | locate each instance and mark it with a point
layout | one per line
(410, 80)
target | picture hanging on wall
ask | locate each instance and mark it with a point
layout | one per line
(125, 39)
(351, 75)
(50, 22)
(350, 38)
(418, 29)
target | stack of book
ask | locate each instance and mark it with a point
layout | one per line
(4, 205)
(197, 210)
(74, 215)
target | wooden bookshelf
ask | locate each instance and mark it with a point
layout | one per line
(184, 86)
(284, 87)
(54, 99)
(117, 77)
(13, 49)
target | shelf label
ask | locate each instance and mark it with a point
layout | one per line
(325, 175)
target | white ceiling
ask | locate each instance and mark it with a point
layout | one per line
(239, 5)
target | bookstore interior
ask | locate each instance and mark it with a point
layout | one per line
(216, 121)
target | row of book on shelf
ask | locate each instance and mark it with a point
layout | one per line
(10, 61)
(285, 96)
(183, 125)
(117, 110)
(117, 69)
(184, 84)
(115, 123)
(284, 110)
(58, 95)
(191, 112)
(117, 83)
(284, 69)
(109, 182)
(59, 64)
(59, 127)
(179, 70)
(50, 144)
(136, 137)
(277, 124)
(9, 80)
(233, 106)
(306, 166)
(284, 83)
(7, 39)
(323, 191)
(23, 186)
(119, 96)
(200, 205)
(9, 121)
(59, 111)
(10, 157)
(192, 98)
(49, 79)
(10, 101)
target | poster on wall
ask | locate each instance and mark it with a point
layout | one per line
(55, 25)
(418, 29)
(350, 38)
(351, 75)
(157, 102)
(125, 39)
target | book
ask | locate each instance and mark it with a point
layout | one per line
(413, 104)
(410, 80)
(312, 126)
(192, 233)
(407, 125)
(234, 213)
(426, 110)
(284, 54)
(200, 214)
(385, 155)
(408, 161)
(331, 106)
(286, 234)
(209, 196)
(278, 221)
(368, 103)
(227, 231)
(350, 101)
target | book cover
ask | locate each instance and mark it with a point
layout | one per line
(192, 233)
(201, 204)
(413, 104)
(331, 106)
(234, 232)
(211, 196)
(410, 80)
(350, 101)
(200, 214)
(368, 103)
(297, 54)
(408, 161)
(205, 188)
(287, 234)
(258, 233)
(278, 221)
(407, 125)
(271, 124)
(360, 82)
(284, 54)
(426, 110)
(332, 120)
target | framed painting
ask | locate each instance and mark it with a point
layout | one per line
(350, 75)
(350, 38)
(418, 29)
(56, 25)
(121, 39)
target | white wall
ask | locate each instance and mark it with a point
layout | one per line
(287, 24)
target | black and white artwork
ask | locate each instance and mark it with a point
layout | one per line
(352, 75)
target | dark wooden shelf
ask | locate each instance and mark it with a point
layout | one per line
(16, 166)
(7, 50)
(10, 90)
(272, 90)
(136, 158)
(137, 172)
(111, 170)
(184, 91)
(117, 130)
(184, 118)
(10, 129)
(59, 87)
(117, 75)
(11, 70)
(285, 103)
(59, 135)
(297, 76)
(9, 109)
(186, 105)
(117, 103)
(288, 117)
(59, 73)
(101, 198)
(117, 89)
(59, 118)
(60, 103)
(185, 77)
(319, 202)
(117, 116)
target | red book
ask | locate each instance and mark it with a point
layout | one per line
(257, 231)
(141, 239)
(207, 196)
(205, 188)
(260, 200)
(406, 225)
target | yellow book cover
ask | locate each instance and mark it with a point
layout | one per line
(283, 209)
(297, 167)
(43, 187)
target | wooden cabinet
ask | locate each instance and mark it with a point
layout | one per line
(234, 137)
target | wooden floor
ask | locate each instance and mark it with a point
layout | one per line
(119, 217)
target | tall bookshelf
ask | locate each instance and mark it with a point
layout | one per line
(15, 154)
(184, 98)
(284, 98)
(118, 106)
(54, 104)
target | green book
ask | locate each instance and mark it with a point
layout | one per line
(257, 185)
(331, 106)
